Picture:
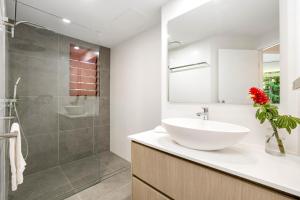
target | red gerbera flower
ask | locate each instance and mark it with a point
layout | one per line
(258, 96)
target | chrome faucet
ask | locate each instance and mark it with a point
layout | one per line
(203, 114)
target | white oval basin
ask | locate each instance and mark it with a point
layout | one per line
(75, 110)
(203, 134)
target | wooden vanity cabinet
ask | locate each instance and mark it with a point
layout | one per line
(155, 172)
(143, 191)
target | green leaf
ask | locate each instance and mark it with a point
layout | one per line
(274, 112)
(286, 121)
(270, 112)
(273, 107)
(262, 117)
(297, 120)
(269, 115)
(256, 114)
(280, 122)
(288, 130)
(263, 109)
(292, 123)
(255, 105)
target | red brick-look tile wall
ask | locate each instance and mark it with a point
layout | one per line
(83, 72)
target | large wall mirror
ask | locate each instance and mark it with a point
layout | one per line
(221, 49)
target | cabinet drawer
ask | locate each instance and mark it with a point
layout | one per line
(141, 191)
(184, 180)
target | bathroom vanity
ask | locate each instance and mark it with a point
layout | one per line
(162, 169)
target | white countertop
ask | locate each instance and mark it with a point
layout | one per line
(281, 173)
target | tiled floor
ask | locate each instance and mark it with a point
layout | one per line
(102, 175)
(117, 187)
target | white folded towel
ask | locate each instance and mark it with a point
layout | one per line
(17, 162)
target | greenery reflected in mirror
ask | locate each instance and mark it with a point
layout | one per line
(271, 73)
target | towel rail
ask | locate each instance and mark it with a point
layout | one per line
(8, 103)
(8, 135)
(189, 65)
(8, 100)
(7, 118)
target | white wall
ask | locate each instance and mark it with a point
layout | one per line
(192, 53)
(135, 89)
(268, 39)
(227, 42)
(190, 85)
(238, 71)
(239, 114)
(290, 60)
(193, 85)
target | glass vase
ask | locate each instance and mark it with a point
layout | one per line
(275, 145)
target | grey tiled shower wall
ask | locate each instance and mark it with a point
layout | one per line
(41, 59)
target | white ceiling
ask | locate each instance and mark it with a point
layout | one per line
(251, 18)
(104, 22)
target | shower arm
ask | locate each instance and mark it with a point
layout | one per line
(5, 21)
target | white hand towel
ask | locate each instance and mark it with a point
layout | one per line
(17, 162)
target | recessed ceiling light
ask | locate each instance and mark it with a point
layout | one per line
(195, 52)
(67, 21)
(76, 48)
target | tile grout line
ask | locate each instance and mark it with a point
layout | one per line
(68, 180)
(58, 101)
(93, 138)
(58, 132)
(30, 56)
(106, 177)
(96, 107)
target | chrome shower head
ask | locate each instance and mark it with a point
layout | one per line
(18, 80)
